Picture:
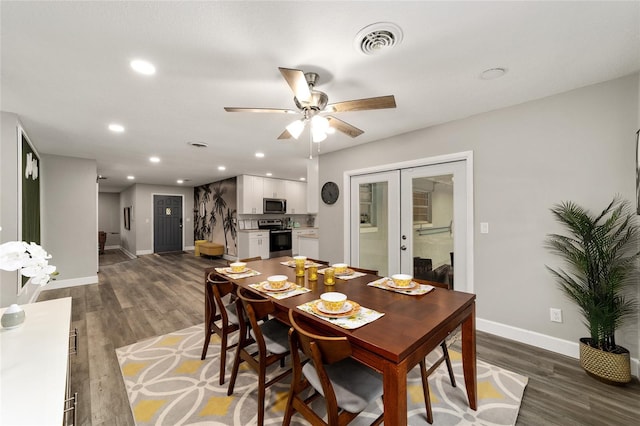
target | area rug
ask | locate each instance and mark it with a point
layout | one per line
(168, 384)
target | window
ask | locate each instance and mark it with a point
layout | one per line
(421, 206)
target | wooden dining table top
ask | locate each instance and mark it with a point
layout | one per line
(408, 320)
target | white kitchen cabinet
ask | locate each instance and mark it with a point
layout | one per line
(253, 243)
(250, 190)
(296, 197)
(295, 239)
(274, 188)
(308, 245)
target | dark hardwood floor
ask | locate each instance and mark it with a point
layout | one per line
(154, 295)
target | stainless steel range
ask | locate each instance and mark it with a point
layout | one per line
(279, 237)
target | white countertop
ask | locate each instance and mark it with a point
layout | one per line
(33, 365)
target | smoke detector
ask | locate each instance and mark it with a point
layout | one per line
(375, 38)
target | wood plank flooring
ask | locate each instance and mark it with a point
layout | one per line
(153, 295)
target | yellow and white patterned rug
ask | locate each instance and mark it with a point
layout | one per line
(168, 384)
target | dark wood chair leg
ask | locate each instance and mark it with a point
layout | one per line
(425, 390)
(234, 371)
(223, 357)
(445, 351)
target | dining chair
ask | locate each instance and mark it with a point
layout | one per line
(347, 386)
(364, 270)
(270, 336)
(216, 288)
(424, 372)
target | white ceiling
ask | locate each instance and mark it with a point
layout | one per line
(65, 72)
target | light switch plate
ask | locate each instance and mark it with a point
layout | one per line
(484, 227)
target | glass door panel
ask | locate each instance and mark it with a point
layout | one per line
(433, 206)
(375, 221)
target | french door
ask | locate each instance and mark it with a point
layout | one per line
(412, 220)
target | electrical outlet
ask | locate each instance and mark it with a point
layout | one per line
(555, 314)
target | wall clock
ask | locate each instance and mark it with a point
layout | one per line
(330, 192)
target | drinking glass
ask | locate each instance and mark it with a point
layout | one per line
(329, 276)
(312, 272)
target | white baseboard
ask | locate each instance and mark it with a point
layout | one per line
(72, 282)
(128, 253)
(550, 343)
(112, 247)
(143, 252)
(190, 248)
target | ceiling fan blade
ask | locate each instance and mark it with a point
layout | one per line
(380, 102)
(297, 82)
(344, 127)
(285, 135)
(277, 110)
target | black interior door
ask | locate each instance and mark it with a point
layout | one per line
(167, 223)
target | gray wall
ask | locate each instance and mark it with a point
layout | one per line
(69, 202)
(128, 236)
(575, 146)
(142, 215)
(109, 214)
(8, 199)
(69, 217)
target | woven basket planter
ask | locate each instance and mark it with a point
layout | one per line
(607, 367)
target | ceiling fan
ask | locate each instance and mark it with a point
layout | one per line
(314, 107)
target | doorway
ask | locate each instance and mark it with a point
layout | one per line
(414, 220)
(167, 223)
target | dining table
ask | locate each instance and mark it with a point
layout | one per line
(410, 328)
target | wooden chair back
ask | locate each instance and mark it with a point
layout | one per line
(433, 283)
(322, 262)
(364, 270)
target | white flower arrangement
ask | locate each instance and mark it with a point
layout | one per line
(31, 259)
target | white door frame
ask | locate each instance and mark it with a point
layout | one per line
(466, 156)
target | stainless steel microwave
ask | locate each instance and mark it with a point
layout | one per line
(274, 205)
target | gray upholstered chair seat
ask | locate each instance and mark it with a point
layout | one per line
(354, 384)
(276, 336)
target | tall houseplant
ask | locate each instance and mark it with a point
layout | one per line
(601, 254)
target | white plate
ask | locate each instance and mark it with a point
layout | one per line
(345, 308)
(267, 287)
(391, 284)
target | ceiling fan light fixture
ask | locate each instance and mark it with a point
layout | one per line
(296, 128)
(375, 38)
(319, 123)
(318, 136)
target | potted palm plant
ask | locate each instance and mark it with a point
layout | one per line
(601, 254)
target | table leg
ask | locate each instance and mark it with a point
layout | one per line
(395, 394)
(469, 357)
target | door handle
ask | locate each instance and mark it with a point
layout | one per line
(403, 247)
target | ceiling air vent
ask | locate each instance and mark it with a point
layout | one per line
(375, 38)
(198, 144)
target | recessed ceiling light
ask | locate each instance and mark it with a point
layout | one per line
(154, 159)
(116, 128)
(222, 168)
(143, 67)
(493, 73)
(269, 174)
(131, 177)
(180, 181)
(260, 154)
(303, 178)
